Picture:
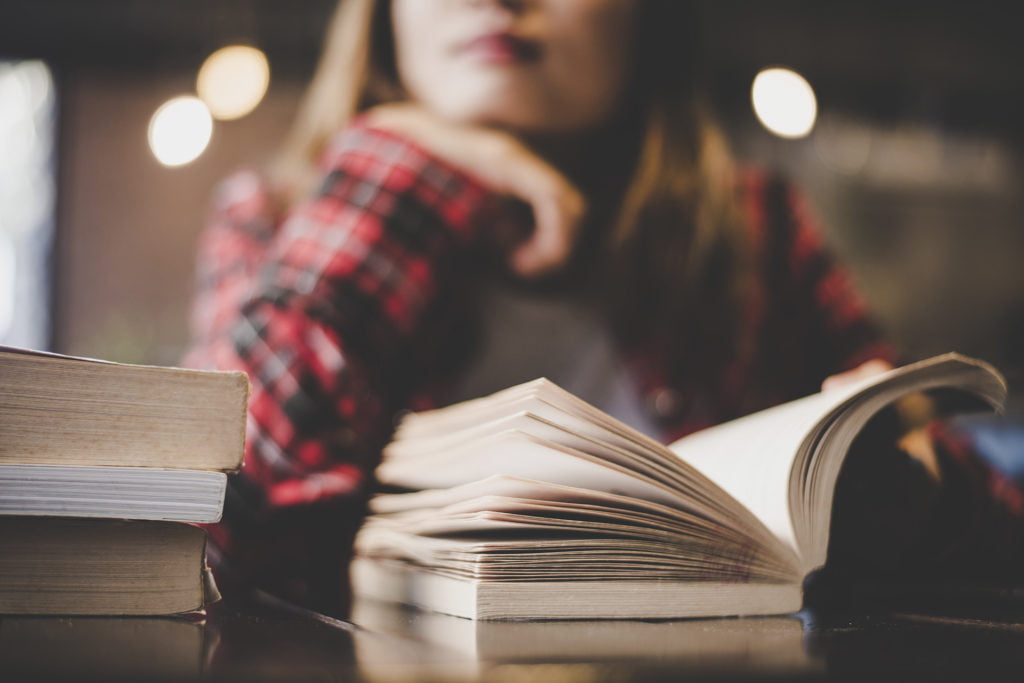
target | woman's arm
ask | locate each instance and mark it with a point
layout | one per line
(507, 166)
(814, 322)
(321, 314)
(231, 250)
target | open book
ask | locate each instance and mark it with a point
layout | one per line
(532, 504)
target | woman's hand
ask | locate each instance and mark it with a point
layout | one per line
(914, 411)
(508, 167)
(889, 484)
(875, 366)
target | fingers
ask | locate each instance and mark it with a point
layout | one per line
(916, 410)
(918, 445)
(511, 168)
(558, 212)
(871, 368)
(508, 167)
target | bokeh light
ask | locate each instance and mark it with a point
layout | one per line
(233, 80)
(180, 130)
(784, 102)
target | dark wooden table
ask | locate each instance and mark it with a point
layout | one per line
(270, 641)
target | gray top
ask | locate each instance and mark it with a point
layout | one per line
(527, 335)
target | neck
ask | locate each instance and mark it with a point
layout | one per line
(599, 163)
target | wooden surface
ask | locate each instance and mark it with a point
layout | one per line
(264, 640)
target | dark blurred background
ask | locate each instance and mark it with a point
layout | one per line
(914, 163)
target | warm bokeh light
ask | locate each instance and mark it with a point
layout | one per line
(180, 130)
(784, 102)
(233, 80)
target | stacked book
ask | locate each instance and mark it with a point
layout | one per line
(106, 471)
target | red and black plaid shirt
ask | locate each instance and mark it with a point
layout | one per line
(340, 310)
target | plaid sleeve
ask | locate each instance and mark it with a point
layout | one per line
(321, 314)
(816, 322)
(977, 531)
(230, 252)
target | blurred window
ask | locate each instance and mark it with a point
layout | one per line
(27, 193)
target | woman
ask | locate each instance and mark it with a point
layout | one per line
(483, 191)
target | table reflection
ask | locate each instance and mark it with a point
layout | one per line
(768, 645)
(267, 640)
(104, 647)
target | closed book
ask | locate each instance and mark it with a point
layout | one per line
(116, 492)
(62, 410)
(54, 565)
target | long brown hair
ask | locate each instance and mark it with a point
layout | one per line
(674, 255)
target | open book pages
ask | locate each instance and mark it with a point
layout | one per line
(531, 503)
(118, 492)
(61, 410)
(789, 479)
(565, 596)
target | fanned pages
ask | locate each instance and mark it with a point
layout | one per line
(532, 504)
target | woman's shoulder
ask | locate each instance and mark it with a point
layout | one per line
(778, 213)
(364, 149)
(387, 173)
(359, 161)
(243, 199)
(761, 186)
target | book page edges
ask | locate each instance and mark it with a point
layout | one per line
(246, 394)
(63, 589)
(548, 600)
(50, 384)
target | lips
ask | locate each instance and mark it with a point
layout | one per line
(502, 48)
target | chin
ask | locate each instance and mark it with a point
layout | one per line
(514, 120)
(499, 106)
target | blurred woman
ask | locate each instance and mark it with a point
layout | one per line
(477, 193)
